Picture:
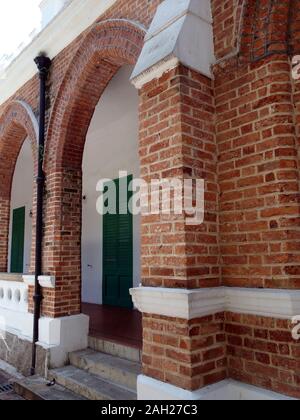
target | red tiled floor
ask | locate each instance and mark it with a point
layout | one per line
(123, 326)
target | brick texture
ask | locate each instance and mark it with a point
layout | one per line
(192, 354)
(262, 352)
(177, 139)
(187, 354)
(258, 175)
(239, 132)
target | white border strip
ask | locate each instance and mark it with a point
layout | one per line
(150, 389)
(190, 304)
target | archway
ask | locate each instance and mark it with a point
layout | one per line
(21, 212)
(108, 47)
(110, 246)
(17, 123)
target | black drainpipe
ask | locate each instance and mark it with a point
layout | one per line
(43, 64)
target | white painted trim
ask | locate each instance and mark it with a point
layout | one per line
(32, 117)
(28, 279)
(169, 13)
(282, 304)
(156, 71)
(150, 389)
(57, 35)
(45, 281)
(190, 304)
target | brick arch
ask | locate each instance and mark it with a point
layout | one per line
(17, 122)
(107, 46)
(265, 28)
(105, 49)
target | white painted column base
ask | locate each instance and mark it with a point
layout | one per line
(62, 336)
(151, 389)
(59, 336)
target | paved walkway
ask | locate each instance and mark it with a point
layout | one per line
(7, 395)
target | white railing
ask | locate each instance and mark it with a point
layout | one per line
(14, 315)
(14, 296)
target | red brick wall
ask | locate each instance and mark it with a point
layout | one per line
(227, 20)
(262, 352)
(192, 354)
(258, 175)
(240, 132)
(187, 354)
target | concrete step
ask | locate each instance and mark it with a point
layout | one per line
(35, 389)
(90, 386)
(115, 369)
(114, 349)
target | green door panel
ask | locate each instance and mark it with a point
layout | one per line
(118, 256)
(17, 242)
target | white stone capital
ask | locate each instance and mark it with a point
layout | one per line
(45, 281)
(191, 304)
(181, 32)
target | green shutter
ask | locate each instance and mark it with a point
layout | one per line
(118, 256)
(17, 242)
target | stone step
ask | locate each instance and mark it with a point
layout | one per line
(114, 349)
(115, 369)
(35, 389)
(90, 386)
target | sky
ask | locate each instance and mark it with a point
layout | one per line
(17, 20)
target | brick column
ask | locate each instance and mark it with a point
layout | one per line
(177, 140)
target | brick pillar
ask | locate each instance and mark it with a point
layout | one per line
(177, 140)
(62, 252)
(181, 347)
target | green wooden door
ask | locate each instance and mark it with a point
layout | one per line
(17, 242)
(118, 256)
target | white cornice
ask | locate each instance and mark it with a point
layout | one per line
(156, 71)
(190, 304)
(56, 36)
(45, 281)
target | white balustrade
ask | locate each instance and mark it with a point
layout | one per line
(14, 315)
(14, 296)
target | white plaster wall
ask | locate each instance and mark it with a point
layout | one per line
(50, 8)
(21, 195)
(111, 145)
